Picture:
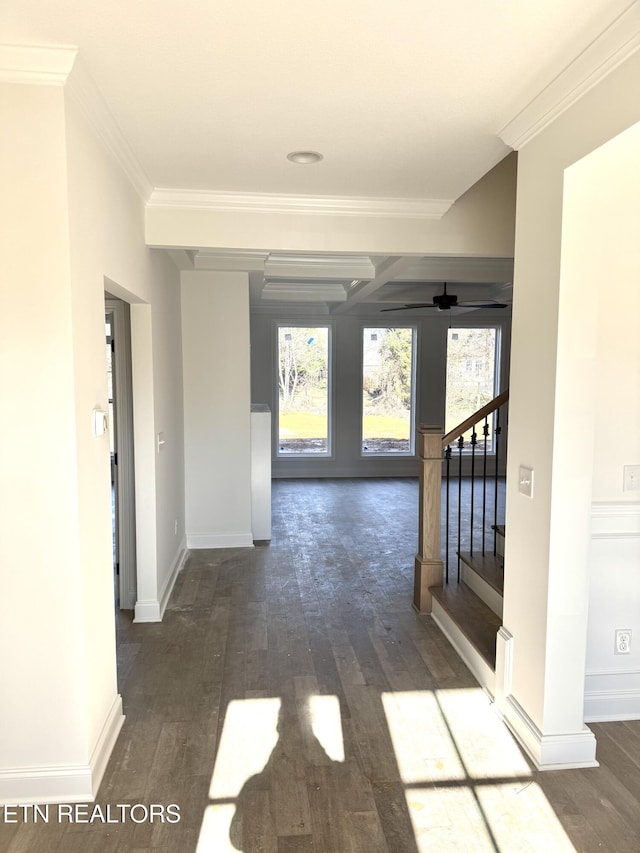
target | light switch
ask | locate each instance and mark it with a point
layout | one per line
(631, 481)
(525, 481)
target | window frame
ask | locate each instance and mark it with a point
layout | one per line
(397, 454)
(307, 323)
(498, 367)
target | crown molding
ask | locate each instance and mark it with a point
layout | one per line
(36, 64)
(610, 49)
(215, 259)
(308, 291)
(319, 266)
(87, 96)
(412, 208)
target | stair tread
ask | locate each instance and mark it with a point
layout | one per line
(488, 567)
(477, 622)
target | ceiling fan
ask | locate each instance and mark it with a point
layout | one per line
(445, 301)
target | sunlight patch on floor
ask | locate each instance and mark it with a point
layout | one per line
(421, 741)
(468, 785)
(486, 747)
(249, 735)
(326, 725)
(214, 832)
(521, 819)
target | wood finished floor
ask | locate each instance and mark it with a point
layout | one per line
(228, 680)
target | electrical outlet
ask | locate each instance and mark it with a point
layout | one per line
(623, 641)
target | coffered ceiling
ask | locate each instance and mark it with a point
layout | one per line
(409, 103)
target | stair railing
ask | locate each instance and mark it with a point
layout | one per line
(433, 448)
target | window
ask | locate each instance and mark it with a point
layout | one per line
(303, 390)
(472, 378)
(387, 390)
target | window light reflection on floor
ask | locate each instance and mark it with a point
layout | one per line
(249, 734)
(327, 725)
(466, 781)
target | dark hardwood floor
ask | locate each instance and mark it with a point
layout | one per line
(291, 700)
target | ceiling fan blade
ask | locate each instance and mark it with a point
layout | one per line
(490, 304)
(409, 307)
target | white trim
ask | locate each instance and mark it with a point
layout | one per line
(612, 695)
(36, 64)
(485, 592)
(413, 208)
(504, 668)
(152, 609)
(304, 291)
(147, 610)
(480, 669)
(219, 540)
(222, 259)
(72, 783)
(615, 520)
(610, 49)
(550, 752)
(105, 743)
(178, 565)
(85, 93)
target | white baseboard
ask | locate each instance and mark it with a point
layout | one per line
(480, 669)
(105, 743)
(73, 783)
(610, 696)
(147, 610)
(176, 567)
(152, 609)
(550, 752)
(196, 541)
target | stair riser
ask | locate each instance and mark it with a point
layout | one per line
(482, 589)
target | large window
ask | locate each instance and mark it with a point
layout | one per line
(387, 390)
(472, 379)
(303, 390)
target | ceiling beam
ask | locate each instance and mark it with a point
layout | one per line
(385, 271)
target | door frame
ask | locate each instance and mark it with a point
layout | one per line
(123, 444)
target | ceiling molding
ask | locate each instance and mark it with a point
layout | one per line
(319, 266)
(460, 269)
(308, 291)
(36, 64)
(609, 50)
(87, 96)
(412, 208)
(212, 259)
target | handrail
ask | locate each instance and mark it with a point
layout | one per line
(487, 409)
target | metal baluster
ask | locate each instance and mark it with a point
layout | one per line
(495, 496)
(485, 433)
(447, 458)
(460, 446)
(474, 441)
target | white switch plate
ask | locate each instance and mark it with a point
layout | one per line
(525, 481)
(631, 480)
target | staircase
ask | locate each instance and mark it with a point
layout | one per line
(461, 585)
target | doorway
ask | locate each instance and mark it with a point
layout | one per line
(118, 355)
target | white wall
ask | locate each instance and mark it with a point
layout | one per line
(217, 427)
(601, 270)
(346, 459)
(43, 720)
(547, 549)
(72, 223)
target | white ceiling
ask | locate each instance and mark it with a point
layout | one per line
(404, 98)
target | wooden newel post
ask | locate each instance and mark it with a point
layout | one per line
(428, 565)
